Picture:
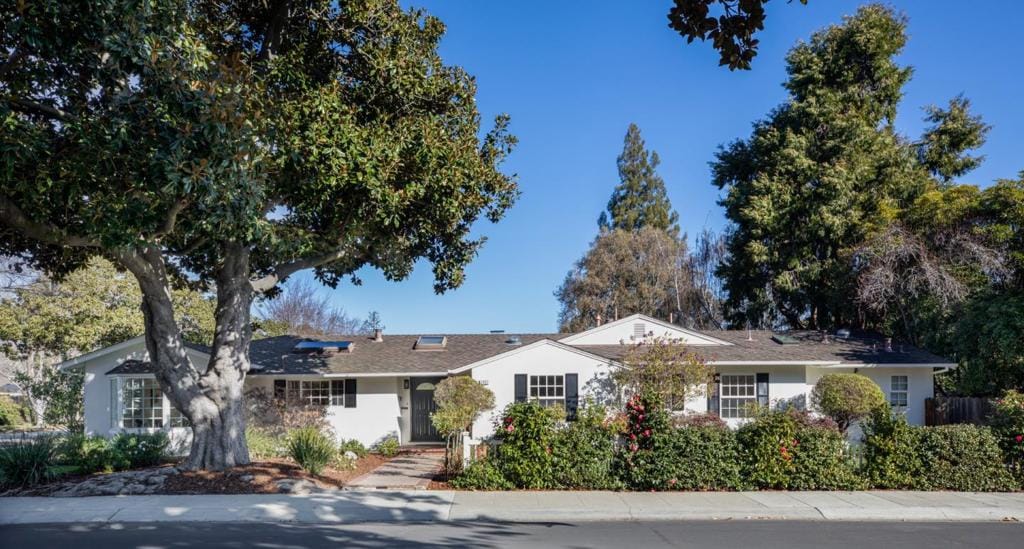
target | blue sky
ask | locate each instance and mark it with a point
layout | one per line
(573, 75)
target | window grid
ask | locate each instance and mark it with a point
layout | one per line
(315, 393)
(898, 389)
(174, 417)
(143, 404)
(548, 390)
(738, 393)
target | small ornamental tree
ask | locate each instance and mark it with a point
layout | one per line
(664, 369)
(846, 398)
(231, 144)
(460, 400)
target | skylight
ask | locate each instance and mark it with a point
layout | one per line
(431, 342)
(314, 346)
(785, 339)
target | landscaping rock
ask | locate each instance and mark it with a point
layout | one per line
(294, 486)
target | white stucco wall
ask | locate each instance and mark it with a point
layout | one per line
(538, 359)
(623, 332)
(921, 385)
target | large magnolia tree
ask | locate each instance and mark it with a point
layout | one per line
(235, 143)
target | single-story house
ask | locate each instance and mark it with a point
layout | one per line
(379, 387)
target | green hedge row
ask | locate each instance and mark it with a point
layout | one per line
(788, 450)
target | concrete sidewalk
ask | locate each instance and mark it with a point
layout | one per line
(427, 506)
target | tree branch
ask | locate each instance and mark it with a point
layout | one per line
(172, 218)
(284, 270)
(12, 60)
(12, 216)
(33, 107)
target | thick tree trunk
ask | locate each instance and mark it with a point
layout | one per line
(211, 399)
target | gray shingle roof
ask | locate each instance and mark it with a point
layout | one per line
(396, 353)
(861, 348)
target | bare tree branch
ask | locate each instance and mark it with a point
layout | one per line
(33, 107)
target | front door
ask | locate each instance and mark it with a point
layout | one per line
(423, 405)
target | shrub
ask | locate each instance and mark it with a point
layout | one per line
(27, 462)
(890, 453)
(264, 444)
(88, 454)
(765, 449)
(481, 474)
(387, 447)
(584, 452)
(460, 401)
(1007, 423)
(12, 414)
(963, 458)
(645, 462)
(135, 450)
(846, 398)
(706, 419)
(527, 432)
(822, 461)
(311, 449)
(354, 446)
(705, 457)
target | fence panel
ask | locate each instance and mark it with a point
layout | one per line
(950, 410)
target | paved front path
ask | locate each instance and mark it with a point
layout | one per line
(411, 471)
(344, 507)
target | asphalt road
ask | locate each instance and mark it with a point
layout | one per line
(630, 535)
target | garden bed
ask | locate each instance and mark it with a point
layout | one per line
(271, 476)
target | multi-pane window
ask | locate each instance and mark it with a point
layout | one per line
(143, 404)
(548, 391)
(316, 392)
(898, 387)
(738, 394)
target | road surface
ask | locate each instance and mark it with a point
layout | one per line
(630, 535)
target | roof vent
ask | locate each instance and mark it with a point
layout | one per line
(431, 343)
(312, 346)
(783, 339)
(639, 330)
(514, 340)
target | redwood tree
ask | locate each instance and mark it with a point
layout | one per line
(231, 144)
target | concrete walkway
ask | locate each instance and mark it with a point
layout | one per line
(412, 471)
(343, 507)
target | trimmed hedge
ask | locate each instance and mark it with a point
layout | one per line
(788, 450)
(962, 457)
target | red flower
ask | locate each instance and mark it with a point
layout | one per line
(1019, 438)
(510, 428)
(632, 436)
(671, 482)
(647, 433)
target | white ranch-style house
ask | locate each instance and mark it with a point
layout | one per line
(380, 387)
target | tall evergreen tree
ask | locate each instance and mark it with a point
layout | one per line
(640, 199)
(953, 132)
(823, 171)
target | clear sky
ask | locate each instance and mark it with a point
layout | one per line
(574, 74)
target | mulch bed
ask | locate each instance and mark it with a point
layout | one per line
(261, 477)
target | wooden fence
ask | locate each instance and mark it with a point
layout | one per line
(948, 410)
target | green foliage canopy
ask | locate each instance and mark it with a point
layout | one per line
(847, 398)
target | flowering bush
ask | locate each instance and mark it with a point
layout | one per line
(526, 431)
(1008, 427)
(645, 462)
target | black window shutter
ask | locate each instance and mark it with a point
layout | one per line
(572, 396)
(280, 388)
(762, 390)
(714, 390)
(350, 393)
(520, 387)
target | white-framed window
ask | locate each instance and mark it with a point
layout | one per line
(317, 392)
(738, 394)
(139, 403)
(548, 390)
(899, 386)
(142, 404)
